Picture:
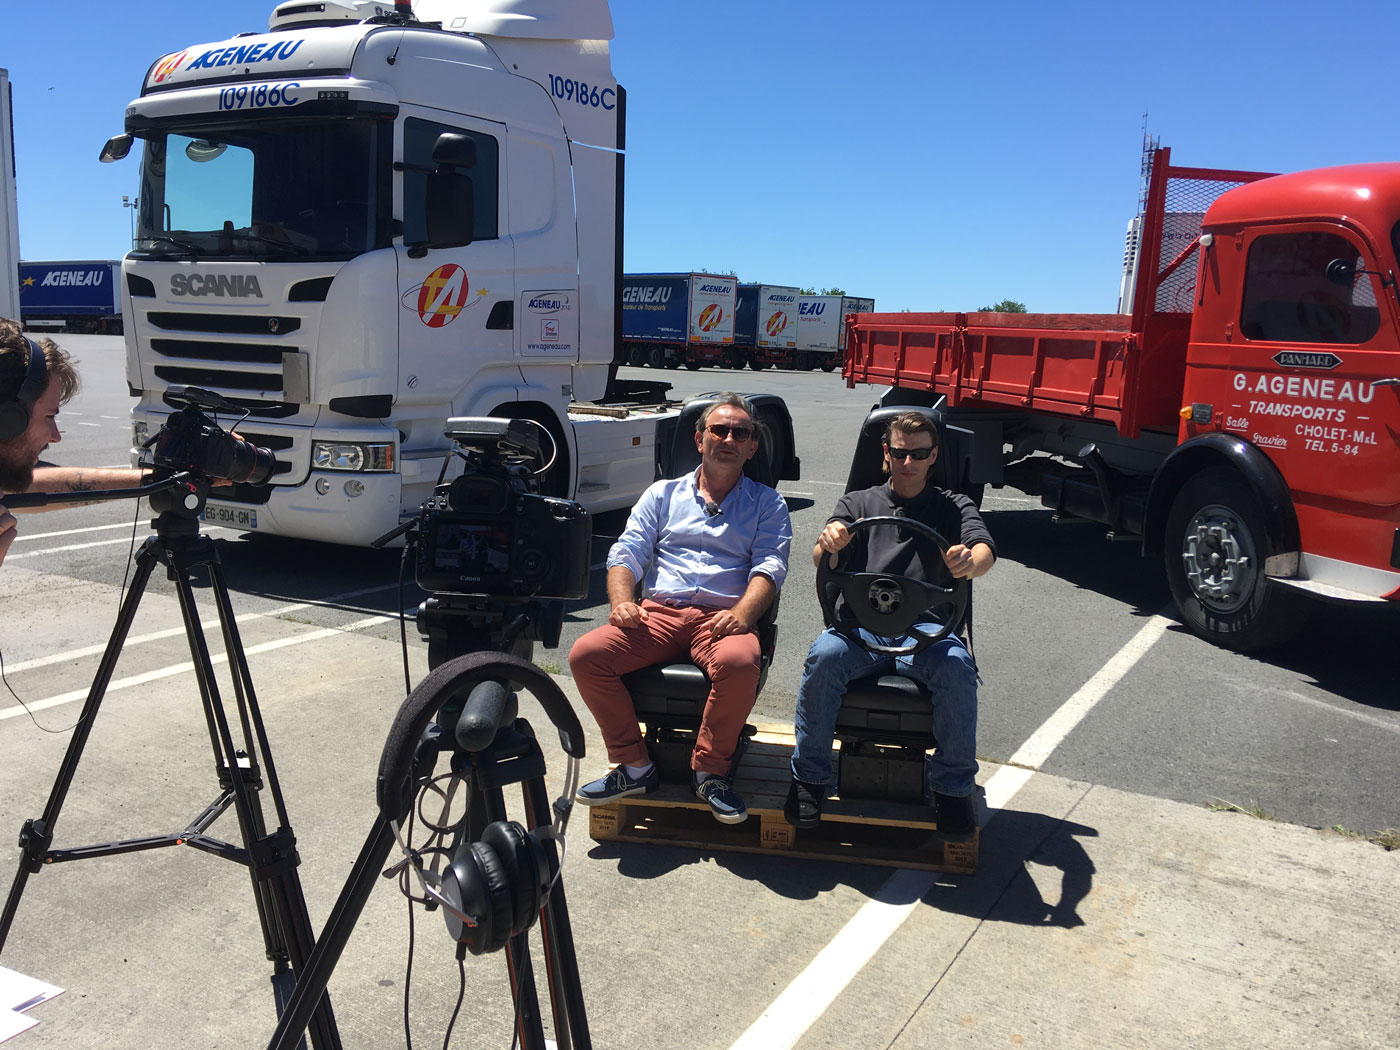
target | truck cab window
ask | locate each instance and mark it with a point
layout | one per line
(1291, 297)
(419, 137)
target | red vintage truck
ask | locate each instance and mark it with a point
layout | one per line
(1242, 422)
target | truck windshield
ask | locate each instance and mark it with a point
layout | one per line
(266, 189)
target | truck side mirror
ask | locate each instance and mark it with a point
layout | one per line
(1342, 272)
(450, 208)
(453, 150)
(118, 146)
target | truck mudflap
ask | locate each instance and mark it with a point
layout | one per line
(1259, 473)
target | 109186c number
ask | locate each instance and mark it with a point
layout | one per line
(259, 96)
(569, 90)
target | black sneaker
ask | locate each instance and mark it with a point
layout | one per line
(803, 808)
(725, 803)
(956, 816)
(617, 784)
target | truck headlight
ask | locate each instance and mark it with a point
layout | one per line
(334, 455)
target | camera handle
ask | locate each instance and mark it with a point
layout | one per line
(271, 858)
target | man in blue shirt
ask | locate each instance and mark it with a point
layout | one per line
(712, 548)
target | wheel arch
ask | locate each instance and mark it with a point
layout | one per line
(560, 480)
(1256, 470)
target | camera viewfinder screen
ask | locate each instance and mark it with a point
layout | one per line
(473, 550)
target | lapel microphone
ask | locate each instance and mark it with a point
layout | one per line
(712, 508)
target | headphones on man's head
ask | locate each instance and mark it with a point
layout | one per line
(15, 408)
(496, 886)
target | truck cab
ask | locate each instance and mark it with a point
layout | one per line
(1294, 352)
(367, 220)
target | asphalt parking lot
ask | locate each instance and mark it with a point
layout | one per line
(1119, 900)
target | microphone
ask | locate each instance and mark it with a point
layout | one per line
(712, 508)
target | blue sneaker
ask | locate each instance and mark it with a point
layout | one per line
(725, 803)
(617, 784)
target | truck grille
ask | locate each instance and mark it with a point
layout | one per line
(249, 371)
(236, 324)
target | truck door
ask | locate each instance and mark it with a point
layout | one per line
(1319, 330)
(456, 305)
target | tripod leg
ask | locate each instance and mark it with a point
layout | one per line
(488, 805)
(313, 978)
(281, 904)
(37, 835)
(560, 958)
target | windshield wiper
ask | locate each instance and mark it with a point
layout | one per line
(284, 246)
(187, 247)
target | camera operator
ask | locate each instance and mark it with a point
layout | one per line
(712, 549)
(37, 389)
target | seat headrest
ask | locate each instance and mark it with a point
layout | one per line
(868, 460)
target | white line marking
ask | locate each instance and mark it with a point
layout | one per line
(98, 543)
(81, 423)
(181, 668)
(799, 1005)
(141, 639)
(72, 532)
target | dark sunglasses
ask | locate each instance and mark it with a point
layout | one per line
(919, 454)
(723, 430)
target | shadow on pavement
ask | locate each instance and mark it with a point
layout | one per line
(1003, 889)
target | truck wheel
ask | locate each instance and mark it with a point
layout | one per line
(693, 365)
(636, 356)
(829, 363)
(757, 365)
(1215, 566)
(804, 362)
(656, 357)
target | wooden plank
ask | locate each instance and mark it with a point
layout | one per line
(863, 831)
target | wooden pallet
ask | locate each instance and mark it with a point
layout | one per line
(861, 831)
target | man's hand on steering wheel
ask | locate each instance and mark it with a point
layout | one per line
(959, 561)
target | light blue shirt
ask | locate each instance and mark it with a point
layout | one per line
(687, 556)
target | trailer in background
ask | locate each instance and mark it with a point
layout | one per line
(672, 319)
(72, 296)
(765, 325)
(821, 329)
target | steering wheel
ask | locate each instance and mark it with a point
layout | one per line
(888, 605)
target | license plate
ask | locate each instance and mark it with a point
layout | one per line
(233, 517)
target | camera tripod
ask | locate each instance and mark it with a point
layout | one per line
(492, 749)
(272, 858)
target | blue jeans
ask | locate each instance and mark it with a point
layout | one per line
(946, 670)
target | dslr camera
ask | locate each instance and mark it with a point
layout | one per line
(490, 533)
(191, 441)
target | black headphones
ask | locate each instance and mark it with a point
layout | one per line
(495, 887)
(15, 408)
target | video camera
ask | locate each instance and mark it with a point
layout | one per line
(490, 532)
(191, 441)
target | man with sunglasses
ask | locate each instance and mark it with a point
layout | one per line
(712, 549)
(946, 669)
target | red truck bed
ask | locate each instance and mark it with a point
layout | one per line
(1127, 370)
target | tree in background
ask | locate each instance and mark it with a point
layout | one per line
(824, 291)
(1006, 306)
(719, 273)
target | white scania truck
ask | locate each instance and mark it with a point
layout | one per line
(377, 216)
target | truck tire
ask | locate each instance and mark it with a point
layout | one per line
(829, 363)
(693, 365)
(804, 362)
(656, 357)
(636, 356)
(729, 358)
(757, 365)
(1214, 552)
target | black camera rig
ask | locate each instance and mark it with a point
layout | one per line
(498, 556)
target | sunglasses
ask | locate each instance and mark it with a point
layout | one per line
(723, 430)
(919, 454)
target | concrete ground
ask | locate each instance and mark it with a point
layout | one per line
(1099, 917)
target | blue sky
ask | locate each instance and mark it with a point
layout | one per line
(929, 155)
